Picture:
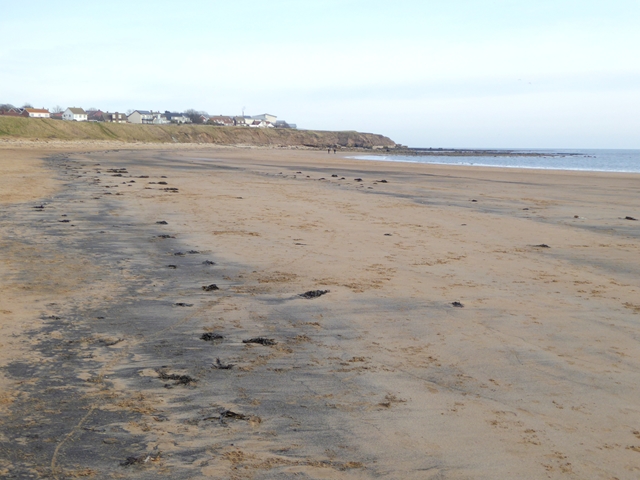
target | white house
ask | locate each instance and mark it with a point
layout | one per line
(74, 114)
(160, 119)
(36, 113)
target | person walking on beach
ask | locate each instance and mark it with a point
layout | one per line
(334, 150)
(329, 150)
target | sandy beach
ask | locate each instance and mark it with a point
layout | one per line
(467, 323)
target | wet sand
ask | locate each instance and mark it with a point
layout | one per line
(104, 372)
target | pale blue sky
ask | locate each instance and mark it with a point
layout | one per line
(454, 73)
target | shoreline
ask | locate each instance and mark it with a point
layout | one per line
(606, 161)
(382, 375)
(508, 167)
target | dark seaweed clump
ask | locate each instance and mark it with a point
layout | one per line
(314, 293)
(260, 340)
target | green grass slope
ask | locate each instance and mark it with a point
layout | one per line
(46, 129)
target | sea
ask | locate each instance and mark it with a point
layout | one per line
(566, 159)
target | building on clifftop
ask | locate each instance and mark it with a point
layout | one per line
(73, 114)
(36, 113)
(147, 117)
(266, 117)
(178, 118)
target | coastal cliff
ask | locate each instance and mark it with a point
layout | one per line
(46, 129)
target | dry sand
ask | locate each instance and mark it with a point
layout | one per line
(537, 375)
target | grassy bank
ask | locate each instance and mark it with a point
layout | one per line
(46, 129)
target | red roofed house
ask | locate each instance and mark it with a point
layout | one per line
(95, 116)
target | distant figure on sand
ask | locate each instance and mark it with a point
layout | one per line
(329, 150)
(334, 150)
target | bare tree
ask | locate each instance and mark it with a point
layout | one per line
(27, 105)
(57, 109)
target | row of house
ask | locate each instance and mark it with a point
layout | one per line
(257, 121)
(265, 120)
(149, 117)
